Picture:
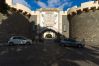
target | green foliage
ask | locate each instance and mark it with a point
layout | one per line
(3, 7)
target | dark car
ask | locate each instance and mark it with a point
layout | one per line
(72, 42)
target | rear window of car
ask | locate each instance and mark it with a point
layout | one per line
(18, 38)
(72, 40)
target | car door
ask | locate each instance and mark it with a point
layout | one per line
(66, 42)
(22, 40)
(70, 42)
(19, 40)
(16, 40)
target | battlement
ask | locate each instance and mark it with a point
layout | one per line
(9, 2)
(85, 7)
(34, 12)
(63, 12)
(18, 6)
(49, 9)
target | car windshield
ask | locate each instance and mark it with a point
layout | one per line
(18, 37)
(72, 40)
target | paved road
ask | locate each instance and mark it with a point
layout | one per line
(48, 54)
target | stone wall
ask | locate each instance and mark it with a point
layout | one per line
(85, 26)
(65, 26)
(15, 24)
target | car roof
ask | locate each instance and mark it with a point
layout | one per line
(18, 36)
(70, 39)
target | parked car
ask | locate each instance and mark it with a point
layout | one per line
(71, 42)
(19, 40)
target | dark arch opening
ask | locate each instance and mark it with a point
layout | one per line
(57, 35)
(48, 36)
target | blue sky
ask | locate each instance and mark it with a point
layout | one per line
(62, 4)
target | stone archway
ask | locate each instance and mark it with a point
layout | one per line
(49, 34)
(46, 32)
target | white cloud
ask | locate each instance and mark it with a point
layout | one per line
(50, 3)
(59, 3)
(42, 4)
(65, 4)
(21, 2)
(54, 3)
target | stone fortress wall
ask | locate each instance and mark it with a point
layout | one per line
(15, 22)
(83, 20)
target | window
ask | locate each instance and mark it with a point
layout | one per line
(19, 38)
(64, 28)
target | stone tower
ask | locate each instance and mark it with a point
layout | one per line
(84, 22)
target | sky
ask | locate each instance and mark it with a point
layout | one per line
(61, 4)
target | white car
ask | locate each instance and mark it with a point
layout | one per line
(19, 40)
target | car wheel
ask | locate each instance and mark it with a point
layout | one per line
(28, 43)
(62, 45)
(11, 43)
(79, 46)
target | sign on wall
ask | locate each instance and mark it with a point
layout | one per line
(49, 19)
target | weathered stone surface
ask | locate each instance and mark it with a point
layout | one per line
(15, 24)
(65, 26)
(85, 26)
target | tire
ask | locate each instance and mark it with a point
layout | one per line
(62, 45)
(28, 43)
(11, 43)
(79, 46)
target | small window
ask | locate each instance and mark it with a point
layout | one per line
(22, 38)
(72, 40)
(15, 38)
(64, 28)
(19, 38)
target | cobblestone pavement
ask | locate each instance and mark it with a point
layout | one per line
(48, 54)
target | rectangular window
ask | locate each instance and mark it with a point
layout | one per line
(64, 28)
(64, 23)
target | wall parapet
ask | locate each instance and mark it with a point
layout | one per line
(18, 6)
(85, 7)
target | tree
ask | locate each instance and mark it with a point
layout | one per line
(3, 7)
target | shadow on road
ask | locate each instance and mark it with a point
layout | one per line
(48, 54)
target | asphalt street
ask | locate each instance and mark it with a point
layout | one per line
(48, 54)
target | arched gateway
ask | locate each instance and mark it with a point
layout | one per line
(49, 34)
(52, 19)
(51, 23)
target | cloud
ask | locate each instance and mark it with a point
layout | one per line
(21, 2)
(46, 4)
(66, 4)
(42, 4)
(59, 3)
(54, 3)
